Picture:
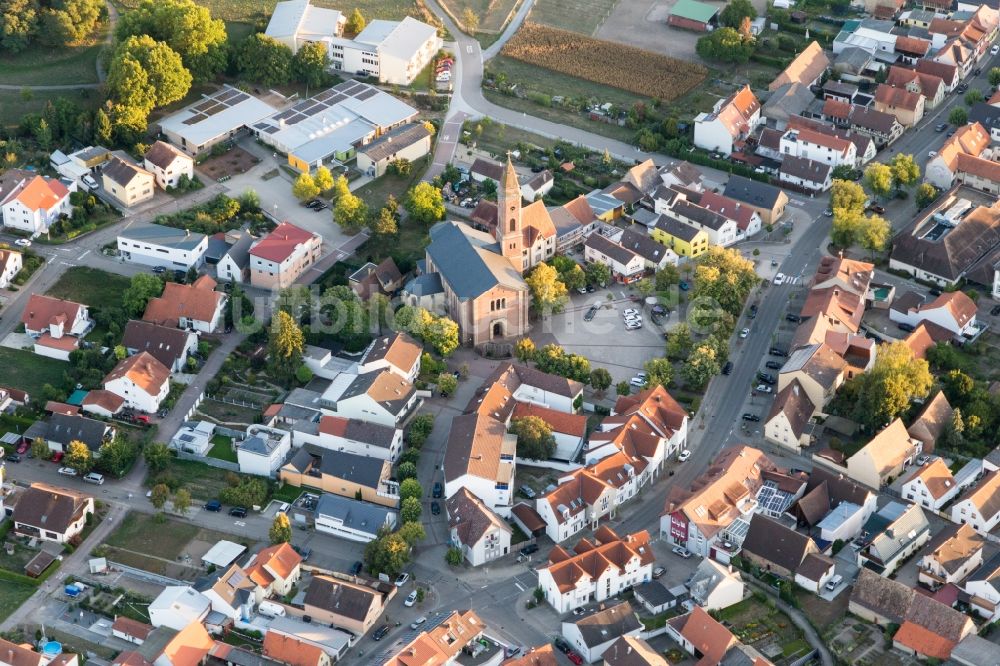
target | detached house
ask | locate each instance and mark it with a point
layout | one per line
(787, 421)
(884, 457)
(907, 532)
(626, 266)
(275, 569)
(593, 633)
(127, 183)
(339, 603)
(35, 203)
(11, 263)
(786, 553)
(953, 311)
(980, 506)
(157, 245)
(55, 325)
(730, 122)
(931, 486)
(232, 593)
(170, 346)
(379, 396)
(818, 370)
(49, 513)
(818, 147)
(167, 164)
(967, 158)
(141, 381)
(983, 588)
(277, 260)
(196, 306)
(596, 570)
(951, 557)
(806, 174)
(702, 636)
(480, 533)
(480, 458)
(61, 429)
(767, 200)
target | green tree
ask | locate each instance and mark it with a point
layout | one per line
(534, 438)
(424, 203)
(725, 276)
(245, 491)
(958, 116)
(323, 179)
(78, 457)
(387, 554)
(874, 234)
(304, 188)
(116, 456)
(159, 495)
(680, 342)
(410, 510)
(281, 529)
(659, 372)
(157, 456)
(600, 380)
(412, 533)
(623, 388)
(442, 334)
(40, 449)
(453, 556)
(470, 19)
(120, 352)
(878, 177)
(350, 212)
(548, 293)
(406, 471)
(285, 346)
(141, 288)
(185, 27)
(847, 195)
(420, 428)
(182, 501)
(954, 431)
(447, 384)
(43, 134)
(19, 19)
(847, 224)
(383, 224)
(732, 15)
(311, 64)
(355, 23)
(905, 171)
(895, 379)
(701, 366)
(973, 97)
(263, 60)
(410, 488)
(102, 128)
(994, 77)
(597, 273)
(725, 45)
(926, 194)
(667, 278)
(524, 350)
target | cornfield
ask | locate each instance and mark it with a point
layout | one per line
(609, 63)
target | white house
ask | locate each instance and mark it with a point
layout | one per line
(380, 396)
(954, 311)
(729, 123)
(234, 594)
(396, 352)
(177, 606)
(953, 555)
(787, 421)
(626, 266)
(803, 173)
(538, 185)
(596, 569)
(197, 306)
(980, 506)
(167, 164)
(35, 203)
(931, 486)
(362, 438)
(721, 229)
(715, 586)
(983, 588)
(141, 381)
(902, 537)
(194, 437)
(481, 534)
(49, 513)
(168, 345)
(10, 265)
(296, 22)
(818, 147)
(55, 325)
(394, 52)
(130, 630)
(481, 458)
(844, 522)
(263, 451)
(157, 245)
(352, 520)
(593, 633)
(234, 265)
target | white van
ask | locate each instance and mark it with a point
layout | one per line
(834, 582)
(94, 477)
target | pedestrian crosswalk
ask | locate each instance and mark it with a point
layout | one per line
(793, 279)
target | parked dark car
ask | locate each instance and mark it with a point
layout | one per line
(435, 508)
(995, 310)
(793, 318)
(357, 567)
(530, 549)
(774, 365)
(14, 458)
(766, 378)
(562, 645)
(751, 417)
(438, 491)
(777, 351)
(903, 326)
(879, 210)
(238, 512)
(934, 291)
(214, 505)
(380, 632)
(753, 311)
(727, 368)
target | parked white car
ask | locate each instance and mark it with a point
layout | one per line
(411, 599)
(779, 278)
(684, 455)
(67, 471)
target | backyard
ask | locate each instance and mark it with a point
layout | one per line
(62, 66)
(758, 623)
(90, 286)
(30, 372)
(222, 448)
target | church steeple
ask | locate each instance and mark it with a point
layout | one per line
(509, 232)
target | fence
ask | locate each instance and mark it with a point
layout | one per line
(194, 406)
(232, 401)
(211, 462)
(141, 574)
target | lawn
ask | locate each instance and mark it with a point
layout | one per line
(227, 413)
(14, 104)
(492, 14)
(222, 448)
(584, 16)
(287, 493)
(52, 66)
(12, 595)
(91, 286)
(201, 480)
(141, 533)
(22, 555)
(29, 372)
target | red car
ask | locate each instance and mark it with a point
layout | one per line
(574, 657)
(23, 446)
(57, 456)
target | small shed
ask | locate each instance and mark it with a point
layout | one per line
(39, 563)
(693, 15)
(222, 554)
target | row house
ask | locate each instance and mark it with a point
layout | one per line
(951, 557)
(928, 85)
(805, 174)
(885, 456)
(948, 73)
(908, 106)
(864, 145)
(730, 122)
(721, 231)
(818, 369)
(980, 506)
(625, 265)
(900, 539)
(883, 128)
(911, 49)
(965, 158)
(596, 569)
(931, 486)
(478, 531)
(812, 145)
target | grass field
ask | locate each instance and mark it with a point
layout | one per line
(222, 448)
(14, 105)
(492, 13)
(53, 66)
(577, 15)
(12, 595)
(141, 533)
(96, 288)
(201, 480)
(28, 371)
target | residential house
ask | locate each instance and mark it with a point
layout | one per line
(818, 147)
(684, 175)
(683, 239)
(656, 598)
(167, 164)
(949, 74)
(825, 493)
(767, 200)
(807, 68)
(343, 474)
(626, 266)
(931, 87)
(344, 604)
(379, 396)
(11, 263)
(786, 102)
(629, 651)
(196, 306)
(701, 636)
(596, 570)
(141, 381)
(362, 438)
(885, 456)
(580, 500)
(983, 589)
(35, 203)
(882, 126)
(480, 533)
(263, 451)
(721, 230)
(481, 458)
(980, 506)
(177, 607)
(131, 631)
(395, 52)
(234, 264)
(864, 146)
(931, 485)
(56, 326)
(907, 532)
(715, 586)
(409, 142)
(931, 422)
(776, 548)
(49, 513)
(806, 174)
(231, 593)
(954, 52)
(170, 346)
(967, 158)
(278, 259)
(372, 279)
(729, 124)
(290, 650)
(352, 520)
(818, 370)
(593, 633)
(814, 572)
(61, 429)
(455, 636)
(951, 557)
(538, 186)
(748, 221)
(127, 183)
(974, 650)
(23, 655)
(910, 50)
(954, 311)
(655, 255)
(157, 245)
(788, 419)
(573, 221)
(275, 569)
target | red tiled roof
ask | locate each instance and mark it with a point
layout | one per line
(281, 243)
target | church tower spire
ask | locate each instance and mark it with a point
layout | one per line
(509, 232)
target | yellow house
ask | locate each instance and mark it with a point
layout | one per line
(682, 238)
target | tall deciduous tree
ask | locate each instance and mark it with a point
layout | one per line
(534, 437)
(304, 187)
(187, 28)
(78, 457)
(878, 177)
(281, 529)
(926, 194)
(847, 195)
(600, 379)
(387, 554)
(355, 22)
(159, 495)
(548, 293)
(142, 287)
(40, 449)
(350, 212)
(442, 334)
(659, 372)
(182, 501)
(470, 19)
(311, 63)
(323, 179)
(725, 45)
(597, 273)
(263, 60)
(384, 223)
(410, 510)
(524, 350)
(905, 170)
(725, 276)
(701, 366)
(895, 379)
(732, 15)
(285, 346)
(679, 342)
(874, 234)
(424, 203)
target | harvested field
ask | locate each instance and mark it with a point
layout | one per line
(635, 70)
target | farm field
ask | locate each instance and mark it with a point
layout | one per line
(583, 16)
(492, 13)
(637, 71)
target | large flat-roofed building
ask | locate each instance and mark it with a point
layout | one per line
(296, 23)
(219, 117)
(333, 124)
(157, 245)
(392, 51)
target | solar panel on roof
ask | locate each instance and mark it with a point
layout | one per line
(241, 97)
(284, 114)
(215, 109)
(271, 130)
(227, 94)
(337, 99)
(203, 105)
(365, 94)
(195, 119)
(313, 109)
